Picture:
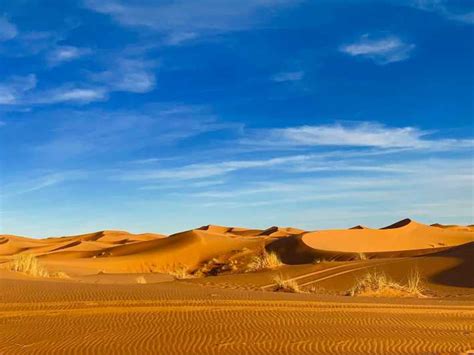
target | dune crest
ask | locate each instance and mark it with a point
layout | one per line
(123, 252)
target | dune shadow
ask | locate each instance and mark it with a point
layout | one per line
(461, 275)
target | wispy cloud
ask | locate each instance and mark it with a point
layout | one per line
(18, 90)
(128, 74)
(68, 94)
(204, 170)
(288, 76)
(186, 17)
(381, 50)
(177, 38)
(13, 89)
(89, 131)
(43, 180)
(63, 54)
(7, 29)
(443, 8)
(361, 134)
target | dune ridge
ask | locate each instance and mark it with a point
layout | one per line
(122, 252)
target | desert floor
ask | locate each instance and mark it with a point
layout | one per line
(217, 290)
(183, 317)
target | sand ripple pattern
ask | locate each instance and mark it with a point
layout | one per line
(233, 327)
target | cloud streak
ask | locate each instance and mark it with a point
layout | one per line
(64, 54)
(13, 89)
(442, 8)
(181, 19)
(134, 75)
(288, 76)
(362, 134)
(8, 30)
(382, 50)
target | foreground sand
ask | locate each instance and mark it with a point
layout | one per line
(178, 317)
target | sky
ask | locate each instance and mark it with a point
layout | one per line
(165, 115)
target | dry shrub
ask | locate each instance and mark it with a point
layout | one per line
(28, 264)
(317, 290)
(414, 283)
(287, 285)
(378, 284)
(179, 272)
(361, 256)
(264, 261)
(59, 275)
(215, 267)
(140, 280)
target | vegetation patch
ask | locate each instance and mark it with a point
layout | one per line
(378, 284)
(286, 285)
(264, 261)
(28, 264)
(179, 272)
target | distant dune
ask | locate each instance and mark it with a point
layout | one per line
(123, 252)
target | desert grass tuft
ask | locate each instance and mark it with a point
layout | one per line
(286, 285)
(361, 256)
(378, 284)
(28, 264)
(179, 272)
(414, 283)
(264, 261)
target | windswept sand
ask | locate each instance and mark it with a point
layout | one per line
(121, 295)
(179, 318)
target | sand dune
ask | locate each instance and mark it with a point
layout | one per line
(404, 238)
(123, 252)
(117, 278)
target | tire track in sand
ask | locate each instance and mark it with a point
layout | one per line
(350, 268)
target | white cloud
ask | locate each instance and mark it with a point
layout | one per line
(13, 89)
(18, 90)
(43, 180)
(7, 30)
(200, 171)
(288, 76)
(128, 74)
(63, 54)
(466, 18)
(96, 132)
(68, 94)
(361, 134)
(382, 51)
(175, 39)
(442, 8)
(184, 16)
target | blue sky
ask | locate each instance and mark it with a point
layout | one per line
(167, 115)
